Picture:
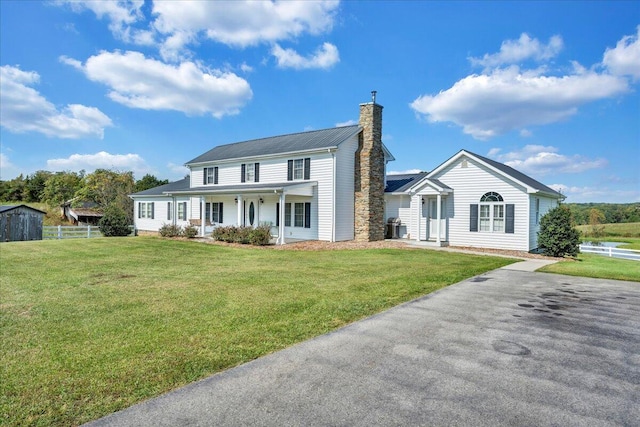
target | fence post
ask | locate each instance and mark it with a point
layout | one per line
(59, 232)
(88, 231)
(610, 251)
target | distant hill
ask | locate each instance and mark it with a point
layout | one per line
(614, 213)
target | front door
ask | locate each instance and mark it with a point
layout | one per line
(251, 212)
(432, 229)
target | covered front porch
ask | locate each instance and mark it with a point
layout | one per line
(286, 208)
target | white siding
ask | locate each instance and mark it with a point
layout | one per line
(399, 206)
(344, 186)
(159, 213)
(546, 204)
(469, 185)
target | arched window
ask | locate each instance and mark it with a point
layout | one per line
(491, 212)
(491, 196)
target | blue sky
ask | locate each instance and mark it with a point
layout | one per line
(550, 88)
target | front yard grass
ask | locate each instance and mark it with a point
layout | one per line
(89, 327)
(597, 266)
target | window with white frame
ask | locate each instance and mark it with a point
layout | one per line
(182, 211)
(210, 175)
(298, 219)
(213, 212)
(298, 169)
(249, 172)
(145, 210)
(491, 212)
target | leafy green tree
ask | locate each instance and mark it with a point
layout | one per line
(596, 217)
(114, 222)
(61, 187)
(557, 236)
(34, 186)
(108, 187)
(14, 189)
(149, 181)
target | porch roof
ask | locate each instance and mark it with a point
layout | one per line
(244, 188)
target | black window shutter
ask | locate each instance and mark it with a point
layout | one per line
(139, 210)
(220, 213)
(242, 171)
(168, 210)
(257, 172)
(204, 176)
(290, 170)
(287, 214)
(277, 214)
(510, 218)
(307, 168)
(215, 175)
(307, 215)
(473, 218)
(152, 210)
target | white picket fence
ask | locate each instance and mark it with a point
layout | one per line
(72, 232)
(611, 252)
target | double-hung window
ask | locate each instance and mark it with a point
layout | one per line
(182, 211)
(145, 210)
(298, 220)
(250, 172)
(299, 169)
(492, 215)
(210, 175)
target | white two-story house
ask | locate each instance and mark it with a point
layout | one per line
(301, 184)
(331, 185)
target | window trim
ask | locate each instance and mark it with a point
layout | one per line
(182, 216)
(146, 210)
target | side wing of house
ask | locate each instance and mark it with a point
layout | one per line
(487, 209)
(540, 205)
(154, 208)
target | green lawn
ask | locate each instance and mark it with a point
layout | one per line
(92, 326)
(598, 266)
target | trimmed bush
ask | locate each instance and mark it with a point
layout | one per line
(244, 235)
(114, 222)
(558, 237)
(190, 231)
(170, 230)
(260, 236)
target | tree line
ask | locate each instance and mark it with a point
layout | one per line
(604, 213)
(106, 188)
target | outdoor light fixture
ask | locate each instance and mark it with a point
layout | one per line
(261, 200)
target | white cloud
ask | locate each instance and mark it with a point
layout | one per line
(7, 169)
(347, 123)
(324, 57)
(239, 23)
(121, 14)
(244, 67)
(576, 194)
(487, 105)
(516, 51)
(148, 84)
(24, 109)
(539, 160)
(177, 170)
(101, 160)
(511, 98)
(624, 59)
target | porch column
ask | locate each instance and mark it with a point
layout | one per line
(419, 218)
(203, 220)
(280, 240)
(239, 199)
(439, 215)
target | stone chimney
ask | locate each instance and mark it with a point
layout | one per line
(369, 175)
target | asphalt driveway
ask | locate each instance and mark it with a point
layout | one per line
(511, 348)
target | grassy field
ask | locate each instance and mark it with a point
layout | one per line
(92, 326)
(598, 266)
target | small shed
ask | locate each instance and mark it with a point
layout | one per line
(20, 222)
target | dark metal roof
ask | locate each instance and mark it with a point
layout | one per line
(183, 184)
(519, 176)
(247, 187)
(402, 182)
(7, 208)
(313, 140)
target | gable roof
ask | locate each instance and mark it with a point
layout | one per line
(7, 208)
(508, 171)
(303, 141)
(183, 184)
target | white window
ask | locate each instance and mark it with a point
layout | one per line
(145, 210)
(250, 172)
(298, 220)
(298, 169)
(182, 211)
(491, 213)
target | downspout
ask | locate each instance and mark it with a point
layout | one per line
(333, 204)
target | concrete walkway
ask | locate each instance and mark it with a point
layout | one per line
(506, 348)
